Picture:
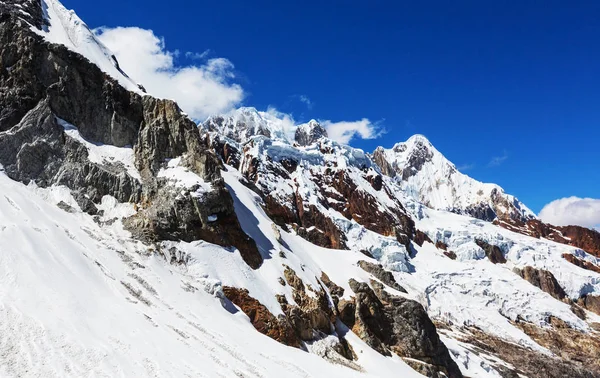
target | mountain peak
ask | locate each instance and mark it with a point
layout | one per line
(418, 138)
(309, 133)
(430, 178)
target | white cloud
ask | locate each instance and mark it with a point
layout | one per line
(572, 211)
(466, 167)
(498, 160)
(306, 101)
(198, 56)
(286, 121)
(200, 90)
(343, 132)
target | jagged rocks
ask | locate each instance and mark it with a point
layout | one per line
(577, 236)
(381, 274)
(311, 317)
(48, 86)
(527, 362)
(581, 263)
(310, 133)
(261, 318)
(166, 133)
(493, 252)
(394, 324)
(542, 279)
(334, 289)
(379, 158)
(173, 214)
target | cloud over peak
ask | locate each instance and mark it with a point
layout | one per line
(201, 89)
(572, 211)
(344, 131)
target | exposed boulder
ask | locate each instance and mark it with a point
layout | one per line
(542, 279)
(493, 252)
(394, 324)
(421, 238)
(381, 274)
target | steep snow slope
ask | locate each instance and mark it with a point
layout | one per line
(66, 28)
(428, 177)
(468, 291)
(77, 299)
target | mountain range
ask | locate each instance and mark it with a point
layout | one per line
(137, 242)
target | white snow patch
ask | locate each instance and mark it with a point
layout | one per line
(104, 153)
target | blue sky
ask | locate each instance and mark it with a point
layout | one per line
(509, 91)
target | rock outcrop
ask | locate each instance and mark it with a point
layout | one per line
(493, 252)
(310, 133)
(261, 318)
(542, 279)
(576, 236)
(392, 324)
(47, 89)
(381, 274)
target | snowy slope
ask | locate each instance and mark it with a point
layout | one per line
(80, 299)
(244, 123)
(468, 291)
(67, 29)
(428, 177)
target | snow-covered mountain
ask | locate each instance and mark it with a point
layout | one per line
(428, 177)
(134, 242)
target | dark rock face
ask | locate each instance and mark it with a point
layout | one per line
(544, 280)
(381, 274)
(379, 159)
(421, 238)
(44, 85)
(481, 211)
(421, 155)
(493, 252)
(310, 133)
(394, 324)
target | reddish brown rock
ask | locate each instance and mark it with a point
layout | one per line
(261, 318)
(441, 245)
(581, 263)
(450, 255)
(576, 236)
(421, 237)
(576, 353)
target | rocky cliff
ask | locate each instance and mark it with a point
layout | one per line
(254, 247)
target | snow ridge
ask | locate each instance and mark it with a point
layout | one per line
(427, 176)
(66, 28)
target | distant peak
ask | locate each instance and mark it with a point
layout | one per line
(309, 133)
(419, 138)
